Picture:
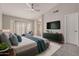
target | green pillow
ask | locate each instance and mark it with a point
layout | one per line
(3, 46)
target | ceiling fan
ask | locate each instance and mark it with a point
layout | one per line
(32, 6)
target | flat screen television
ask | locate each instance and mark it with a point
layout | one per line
(53, 25)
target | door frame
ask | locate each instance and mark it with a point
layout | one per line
(65, 35)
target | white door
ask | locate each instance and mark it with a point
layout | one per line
(71, 28)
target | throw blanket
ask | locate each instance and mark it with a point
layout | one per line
(41, 46)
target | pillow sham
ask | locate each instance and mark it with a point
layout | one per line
(28, 36)
(18, 37)
(13, 39)
(5, 39)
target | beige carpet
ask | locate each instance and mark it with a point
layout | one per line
(52, 49)
(67, 50)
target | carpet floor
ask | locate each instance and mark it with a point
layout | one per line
(67, 50)
(53, 47)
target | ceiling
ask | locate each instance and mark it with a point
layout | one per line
(22, 10)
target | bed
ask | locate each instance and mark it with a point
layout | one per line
(28, 47)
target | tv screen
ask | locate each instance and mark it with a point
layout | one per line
(53, 25)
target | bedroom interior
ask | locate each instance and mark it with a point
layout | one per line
(39, 29)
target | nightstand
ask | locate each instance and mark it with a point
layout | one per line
(9, 52)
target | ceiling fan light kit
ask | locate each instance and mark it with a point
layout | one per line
(32, 7)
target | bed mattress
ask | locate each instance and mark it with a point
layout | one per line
(24, 45)
(27, 44)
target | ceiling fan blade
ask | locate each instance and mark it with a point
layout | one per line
(29, 5)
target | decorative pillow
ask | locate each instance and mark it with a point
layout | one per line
(28, 36)
(7, 34)
(23, 35)
(4, 38)
(30, 33)
(0, 40)
(13, 39)
(19, 38)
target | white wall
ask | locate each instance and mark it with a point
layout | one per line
(64, 9)
(0, 18)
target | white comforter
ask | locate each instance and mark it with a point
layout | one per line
(26, 44)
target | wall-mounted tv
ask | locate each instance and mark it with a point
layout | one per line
(53, 25)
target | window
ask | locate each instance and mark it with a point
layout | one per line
(22, 27)
(29, 28)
